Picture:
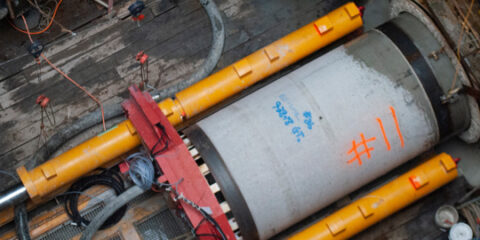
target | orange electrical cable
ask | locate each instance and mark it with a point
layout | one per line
(67, 77)
(42, 31)
(78, 85)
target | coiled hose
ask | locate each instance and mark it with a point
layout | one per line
(142, 174)
(109, 178)
(218, 40)
(109, 209)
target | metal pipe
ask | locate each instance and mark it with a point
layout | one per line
(13, 196)
(383, 202)
(105, 5)
(102, 149)
(10, 9)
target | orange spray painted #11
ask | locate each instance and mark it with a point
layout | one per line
(368, 150)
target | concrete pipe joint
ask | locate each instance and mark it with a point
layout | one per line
(302, 142)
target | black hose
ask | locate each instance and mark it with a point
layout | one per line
(109, 209)
(218, 40)
(21, 222)
(109, 178)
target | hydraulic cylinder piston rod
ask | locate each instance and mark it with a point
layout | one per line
(67, 167)
(12, 196)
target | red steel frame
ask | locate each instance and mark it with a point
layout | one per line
(176, 162)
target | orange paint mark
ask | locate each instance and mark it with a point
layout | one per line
(316, 28)
(415, 181)
(384, 134)
(358, 155)
(397, 126)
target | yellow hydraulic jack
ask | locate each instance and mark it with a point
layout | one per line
(41, 181)
(384, 201)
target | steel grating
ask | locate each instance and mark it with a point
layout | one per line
(161, 226)
(68, 230)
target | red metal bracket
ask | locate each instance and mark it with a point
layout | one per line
(175, 161)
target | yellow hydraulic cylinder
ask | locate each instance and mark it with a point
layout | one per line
(262, 63)
(384, 201)
(82, 159)
(102, 149)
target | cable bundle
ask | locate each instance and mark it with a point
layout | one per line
(141, 170)
(107, 178)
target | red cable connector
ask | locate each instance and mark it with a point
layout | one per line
(43, 101)
(362, 10)
(139, 18)
(142, 57)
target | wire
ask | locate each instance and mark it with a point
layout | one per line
(163, 139)
(28, 31)
(39, 32)
(9, 174)
(47, 16)
(180, 196)
(107, 178)
(459, 44)
(78, 85)
(67, 77)
(204, 234)
(141, 170)
(214, 222)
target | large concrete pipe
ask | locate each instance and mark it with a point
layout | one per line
(295, 146)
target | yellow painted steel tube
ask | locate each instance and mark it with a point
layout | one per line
(96, 152)
(82, 159)
(262, 63)
(384, 201)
